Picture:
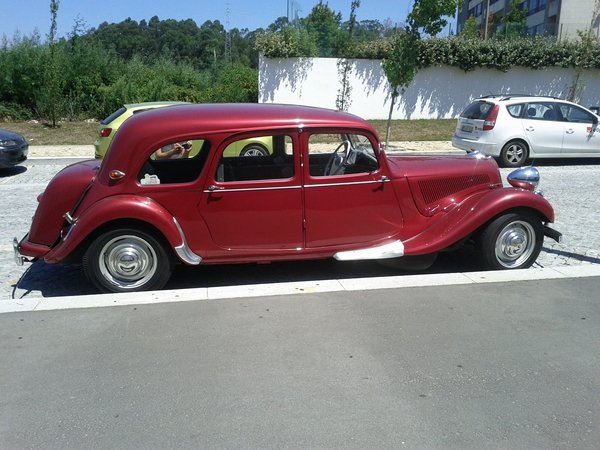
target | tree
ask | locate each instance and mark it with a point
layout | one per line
(471, 29)
(516, 20)
(585, 60)
(50, 96)
(344, 66)
(323, 24)
(400, 67)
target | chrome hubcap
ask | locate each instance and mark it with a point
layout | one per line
(515, 244)
(128, 261)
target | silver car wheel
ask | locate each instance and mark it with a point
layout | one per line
(514, 154)
(515, 244)
(127, 261)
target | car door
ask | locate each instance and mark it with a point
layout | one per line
(347, 197)
(542, 126)
(255, 202)
(581, 132)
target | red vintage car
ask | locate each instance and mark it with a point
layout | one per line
(169, 191)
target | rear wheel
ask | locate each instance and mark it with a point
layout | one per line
(514, 154)
(127, 260)
(254, 150)
(512, 241)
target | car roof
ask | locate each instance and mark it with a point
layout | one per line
(153, 104)
(161, 126)
(520, 96)
(225, 117)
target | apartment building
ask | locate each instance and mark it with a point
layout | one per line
(560, 18)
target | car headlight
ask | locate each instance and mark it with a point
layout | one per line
(526, 178)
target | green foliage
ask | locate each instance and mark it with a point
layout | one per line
(324, 25)
(532, 52)
(289, 43)
(429, 16)
(471, 29)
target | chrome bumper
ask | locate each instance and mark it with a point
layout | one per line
(20, 259)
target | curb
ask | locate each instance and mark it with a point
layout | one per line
(296, 288)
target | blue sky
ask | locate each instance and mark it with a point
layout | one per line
(27, 15)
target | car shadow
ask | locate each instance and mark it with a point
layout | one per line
(56, 280)
(557, 162)
(12, 171)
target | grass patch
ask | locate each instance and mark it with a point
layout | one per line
(416, 130)
(84, 133)
(66, 133)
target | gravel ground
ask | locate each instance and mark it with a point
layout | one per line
(573, 189)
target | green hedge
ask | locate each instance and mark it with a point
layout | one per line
(467, 54)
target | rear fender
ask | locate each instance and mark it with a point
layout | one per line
(117, 208)
(472, 214)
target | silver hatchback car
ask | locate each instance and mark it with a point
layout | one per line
(519, 127)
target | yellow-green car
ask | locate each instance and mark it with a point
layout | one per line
(110, 125)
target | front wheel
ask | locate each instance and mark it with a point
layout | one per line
(127, 260)
(514, 154)
(512, 241)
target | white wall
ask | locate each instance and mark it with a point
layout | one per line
(437, 92)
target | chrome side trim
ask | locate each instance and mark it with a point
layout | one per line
(350, 183)
(221, 189)
(183, 251)
(392, 250)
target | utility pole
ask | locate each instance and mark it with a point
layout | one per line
(227, 34)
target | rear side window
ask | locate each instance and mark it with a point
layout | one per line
(541, 111)
(515, 110)
(477, 110)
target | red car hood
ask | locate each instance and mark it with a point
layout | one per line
(439, 182)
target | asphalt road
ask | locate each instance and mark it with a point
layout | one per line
(485, 366)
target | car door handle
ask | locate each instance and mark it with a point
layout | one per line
(570, 131)
(530, 129)
(212, 188)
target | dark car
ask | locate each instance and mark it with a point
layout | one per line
(327, 190)
(13, 149)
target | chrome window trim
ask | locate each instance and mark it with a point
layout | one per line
(349, 183)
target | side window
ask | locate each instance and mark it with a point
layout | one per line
(175, 163)
(541, 111)
(269, 157)
(571, 113)
(515, 110)
(340, 154)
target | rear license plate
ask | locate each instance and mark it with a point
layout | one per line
(467, 128)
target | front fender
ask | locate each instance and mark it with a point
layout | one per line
(473, 213)
(118, 207)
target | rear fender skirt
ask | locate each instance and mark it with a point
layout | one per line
(471, 214)
(122, 207)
